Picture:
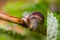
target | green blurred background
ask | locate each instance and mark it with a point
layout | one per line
(17, 9)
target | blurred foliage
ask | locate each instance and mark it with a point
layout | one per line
(57, 14)
(58, 17)
(18, 8)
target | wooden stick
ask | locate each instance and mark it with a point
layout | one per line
(11, 19)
